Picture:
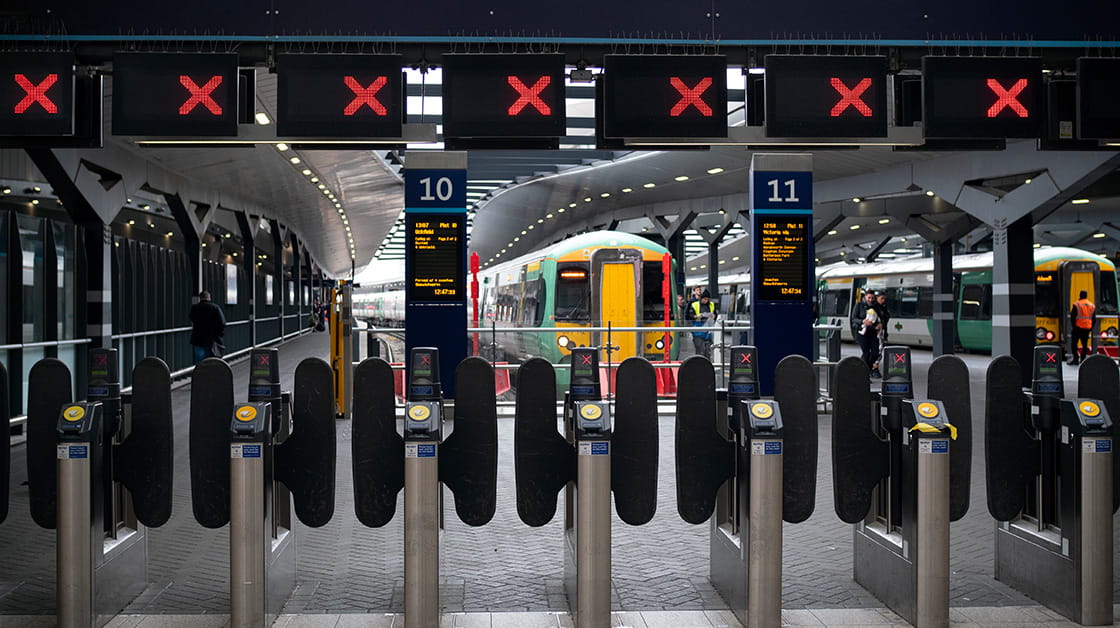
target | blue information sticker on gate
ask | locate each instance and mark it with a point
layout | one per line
(77, 451)
(772, 447)
(600, 448)
(250, 451)
(426, 450)
(939, 446)
(1104, 446)
(97, 391)
(260, 391)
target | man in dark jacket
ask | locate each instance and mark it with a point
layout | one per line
(865, 329)
(884, 318)
(208, 326)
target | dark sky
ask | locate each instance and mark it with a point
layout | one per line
(740, 19)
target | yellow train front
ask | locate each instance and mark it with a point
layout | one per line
(555, 299)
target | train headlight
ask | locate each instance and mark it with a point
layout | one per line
(660, 344)
(1049, 335)
(563, 341)
(1040, 333)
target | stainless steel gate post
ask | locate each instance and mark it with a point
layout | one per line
(78, 437)
(249, 453)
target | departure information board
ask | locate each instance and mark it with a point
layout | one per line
(820, 96)
(436, 250)
(175, 94)
(339, 95)
(665, 96)
(982, 97)
(783, 260)
(36, 94)
(492, 95)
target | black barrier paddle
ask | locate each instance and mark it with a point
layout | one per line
(378, 450)
(1010, 451)
(305, 460)
(948, 383)
(211, 414)
(49, 387)
(634, 442)
(1099, 378)
(795, 390)
(705, 460)
(859, 459)
(144, 462)
(468, 462)
(5, 443)
(543, 460)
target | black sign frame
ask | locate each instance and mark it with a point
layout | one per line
(960, 102)
(148, 93)
(794, 269)
(314, 92)
(801, 96)
(478, 87)
(31, 84)
(1098, 98)
(442, 267)
(640, 95)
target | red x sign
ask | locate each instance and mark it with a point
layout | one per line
(1051, 357)
(36, 93)
(900, 358)
(263, 359)
(850, 97)
(200, 95)
(100, 359)
(1007, 98)
(691, 96)
(586, 359)
(425, 359)
(365, 96)
(529, 95)
(744, 358)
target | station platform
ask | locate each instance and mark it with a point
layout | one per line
(506, 573)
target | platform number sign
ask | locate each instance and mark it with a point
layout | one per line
(339, 95)
(665, 96)
(174, 94)
(982, 97)
(512, 96)
(827, 97)
(36, 94)
(783, 191)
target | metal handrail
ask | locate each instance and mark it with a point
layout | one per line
(565, 330)
(45, 343)
(154, 332)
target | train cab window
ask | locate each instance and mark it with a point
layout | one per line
(1106, 296)
(573, 293)
(834, 302)
(976, 302)
(653, 306)
(905, 302)
(1047, 299)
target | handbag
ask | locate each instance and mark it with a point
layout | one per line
(217, 349)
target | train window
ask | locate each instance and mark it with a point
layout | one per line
(573, 293)
(530, 304)
(653, 306)
(1047, 299)
(925, 302)
(976, 302)
(1106, 296)
(905, 302)
(834, 302)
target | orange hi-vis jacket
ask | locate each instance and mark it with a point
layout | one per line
(1085, 311)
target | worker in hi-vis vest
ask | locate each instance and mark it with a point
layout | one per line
(1081, 316)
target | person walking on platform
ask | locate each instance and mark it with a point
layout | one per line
(208, 325)
(864, 321)
(683, 315)
(703, 315)
(884, 314)
(1082, 316)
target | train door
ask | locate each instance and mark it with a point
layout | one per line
(616, 296)
(1077, 276)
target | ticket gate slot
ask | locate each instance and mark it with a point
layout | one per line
(1052, 483)
(251, 469)
(602, 452)
(894, 478)
(770, 459)
(384, 463)
(99, 491)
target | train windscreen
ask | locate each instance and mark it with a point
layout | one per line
(1106, 296)
(573, 293)
(653, 306)
(1047, 298)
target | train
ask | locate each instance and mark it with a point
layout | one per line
(596, 279)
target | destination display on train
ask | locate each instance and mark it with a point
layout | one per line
(436, 249)
(783, 259)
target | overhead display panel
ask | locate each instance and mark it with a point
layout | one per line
(982, 97)
(496, 96)
(826, 97)
(175, 94)
(1098, 99)
(36, 94)
(339, 95)
(665, 96)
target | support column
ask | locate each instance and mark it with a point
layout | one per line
(249, 260)
(278, 283)
(944, 338)
(192, 239)
(1013, 319)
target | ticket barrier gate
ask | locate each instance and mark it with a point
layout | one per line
(466, 461)
(602, 451)
(753, 463)
(251, 462)
(1053, 482)
(99, 473)
(897, 478)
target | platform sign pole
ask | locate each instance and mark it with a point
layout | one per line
(474, 301)
(782, 272)
(435, 205)
(666, 297)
